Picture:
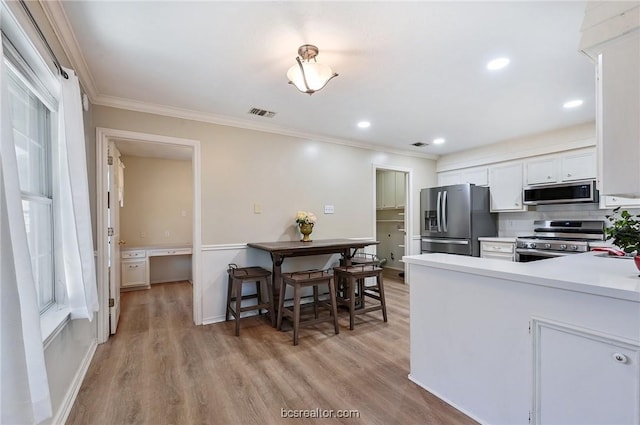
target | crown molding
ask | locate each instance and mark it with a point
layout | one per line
(60, 23)
(62, 28)
(170, 111)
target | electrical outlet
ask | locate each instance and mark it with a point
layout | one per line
(143, 235)
(329, 209)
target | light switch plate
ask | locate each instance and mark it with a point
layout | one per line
(257, 208)
(329, 209)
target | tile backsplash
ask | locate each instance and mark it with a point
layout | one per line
(521, 223)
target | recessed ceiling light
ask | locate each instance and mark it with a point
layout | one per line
(438, 141)
(498, 63)
(572, 104)
(364, 124)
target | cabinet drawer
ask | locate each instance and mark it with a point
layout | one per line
(133, 254)
(498, 256)
(176, 251)
(500, 247)
(133, 273)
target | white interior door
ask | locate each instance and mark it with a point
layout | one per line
(113, 217)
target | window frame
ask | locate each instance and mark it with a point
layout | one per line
(43, 84)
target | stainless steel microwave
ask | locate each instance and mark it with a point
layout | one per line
(564, 193)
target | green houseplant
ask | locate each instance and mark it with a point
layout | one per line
(624, 230)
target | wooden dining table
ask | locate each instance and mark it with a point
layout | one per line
(283, 249)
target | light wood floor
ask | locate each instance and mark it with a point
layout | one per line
(161, 369)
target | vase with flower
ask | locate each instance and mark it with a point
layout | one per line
(305, 221)
(624, 231)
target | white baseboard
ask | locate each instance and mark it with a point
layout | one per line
(62, 414)
(450, 403)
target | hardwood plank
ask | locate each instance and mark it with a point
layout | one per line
(161, 369)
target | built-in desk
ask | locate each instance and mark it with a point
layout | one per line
(135, 263)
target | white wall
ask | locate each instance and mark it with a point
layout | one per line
(158, 198)
(282, 174)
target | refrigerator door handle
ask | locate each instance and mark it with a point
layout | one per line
(438, 204)
(444, 212)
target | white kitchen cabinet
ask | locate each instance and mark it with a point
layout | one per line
(400, 190)
(379, 189)
(619, 201)
(390, 189)
(477, 175)
(618, 116)
(578, 166)
(498, 250)
(506, 187)
(581, 377)
(449, 178)
(542, 171)
(134, 273)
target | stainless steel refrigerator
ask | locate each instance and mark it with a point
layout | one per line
(454, 217)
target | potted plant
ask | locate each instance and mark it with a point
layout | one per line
(624, 230)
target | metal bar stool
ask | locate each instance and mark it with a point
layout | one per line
(299, 280)
(239, 276)
(352, 275)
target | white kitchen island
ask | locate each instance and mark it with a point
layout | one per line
(555, 341)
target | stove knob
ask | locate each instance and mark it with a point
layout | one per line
(573, 247)
(547, 245)
(531, 244)
(563, 246)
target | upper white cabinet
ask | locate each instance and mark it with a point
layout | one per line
(506, 187)
(618, 116)
(542, 171)
(477, 175)
(580, 165)
(390, 189)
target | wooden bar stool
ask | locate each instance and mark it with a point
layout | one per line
(354, 274)
(239, 276)
(304, 279)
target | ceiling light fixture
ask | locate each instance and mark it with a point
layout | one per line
(307, 74)
(572, 104)
(498, 63)
(364, 124)
(438, 141)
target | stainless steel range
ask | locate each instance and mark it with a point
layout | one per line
(555, 238)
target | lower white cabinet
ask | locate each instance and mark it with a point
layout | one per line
(582, 377)
(134, 273)
(498, 250)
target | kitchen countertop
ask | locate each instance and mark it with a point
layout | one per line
(511, 239)
(589, 272)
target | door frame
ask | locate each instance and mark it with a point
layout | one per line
(408, 202)
(103, 136)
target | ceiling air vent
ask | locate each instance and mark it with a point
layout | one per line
(419, 144)
(262, 112)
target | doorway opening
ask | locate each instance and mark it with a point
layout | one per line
(180, 160)
(392, 217)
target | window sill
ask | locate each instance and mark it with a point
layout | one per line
(52, 321)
